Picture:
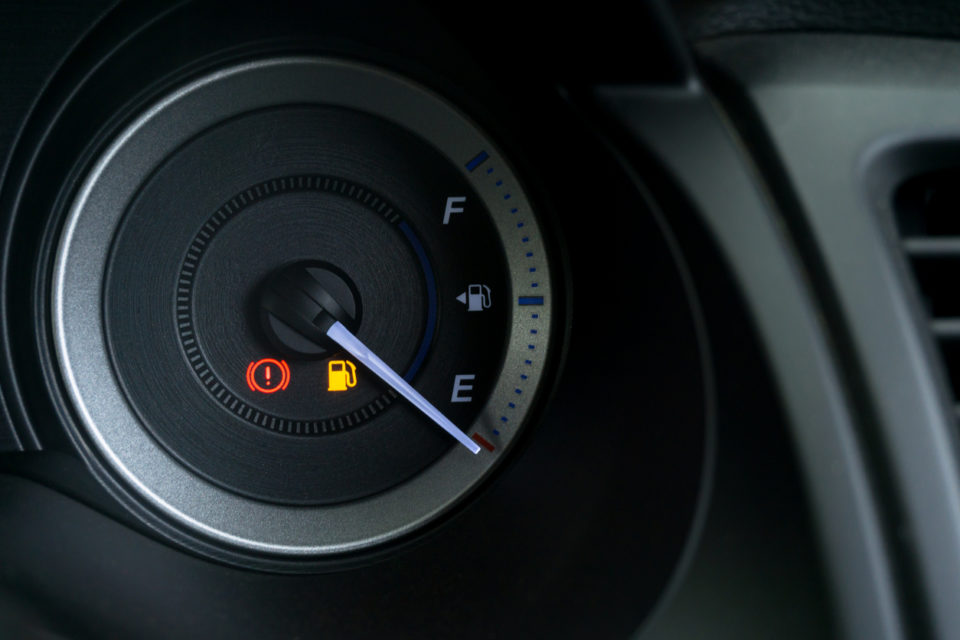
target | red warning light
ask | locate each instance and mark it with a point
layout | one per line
(268, 375)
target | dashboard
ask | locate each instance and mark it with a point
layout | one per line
(392, 319)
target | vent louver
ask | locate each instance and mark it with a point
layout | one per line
(927, 214)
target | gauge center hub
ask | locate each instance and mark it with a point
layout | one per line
(296, 300)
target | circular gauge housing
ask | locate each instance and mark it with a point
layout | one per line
(234, 199)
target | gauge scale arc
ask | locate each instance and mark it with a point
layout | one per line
(322, 307)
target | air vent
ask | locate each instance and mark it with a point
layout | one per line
(927, 213)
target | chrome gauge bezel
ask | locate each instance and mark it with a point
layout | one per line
(114, 429)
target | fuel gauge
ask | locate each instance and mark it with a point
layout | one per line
(343, 306)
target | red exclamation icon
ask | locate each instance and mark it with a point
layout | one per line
(260, 375)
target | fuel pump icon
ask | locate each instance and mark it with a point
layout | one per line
(476, 297)
(341, 375)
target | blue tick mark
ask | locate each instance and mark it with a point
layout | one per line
(478, 160)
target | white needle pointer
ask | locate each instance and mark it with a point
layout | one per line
(339, 334)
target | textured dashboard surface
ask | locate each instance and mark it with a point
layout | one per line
(710, 18)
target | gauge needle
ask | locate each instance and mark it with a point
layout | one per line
(339, 334)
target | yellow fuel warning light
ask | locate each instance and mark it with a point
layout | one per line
(341, 375)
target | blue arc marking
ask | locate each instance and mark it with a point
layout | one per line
(527, 301)
(431, 302)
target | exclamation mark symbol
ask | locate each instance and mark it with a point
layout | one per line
(260, 375)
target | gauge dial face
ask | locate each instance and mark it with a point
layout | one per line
(240, 219)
